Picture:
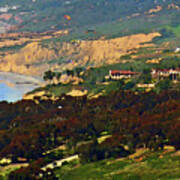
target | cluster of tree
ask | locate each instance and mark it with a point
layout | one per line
(134, 120)
(94, 151)
(33, 172)
(50, 75)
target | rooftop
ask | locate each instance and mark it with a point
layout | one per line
(123, 72)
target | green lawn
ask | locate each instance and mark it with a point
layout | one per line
(150, 168)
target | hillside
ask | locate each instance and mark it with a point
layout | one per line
(107, 105)
(144, 165)
(36, 57)
(42, 133)
(39, 15)
(69, 38)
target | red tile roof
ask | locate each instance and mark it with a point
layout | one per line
(164, 70)
(167, 70)
(123, 72)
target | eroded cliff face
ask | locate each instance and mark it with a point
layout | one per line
(25, 60)
(99, 52)
(33, 59)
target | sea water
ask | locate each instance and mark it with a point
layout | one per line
(13, 86)
(10, 94)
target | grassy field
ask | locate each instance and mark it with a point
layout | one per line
(149, 166)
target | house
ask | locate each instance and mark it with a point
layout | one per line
(165, 73)
(121, 74)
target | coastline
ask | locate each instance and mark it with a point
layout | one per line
(18, 84)
(15, 78)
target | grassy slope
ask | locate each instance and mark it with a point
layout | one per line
(87, 14)
(150, 168)
(123, 27)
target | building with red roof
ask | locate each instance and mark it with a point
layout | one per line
(165, 73)
(121, 74)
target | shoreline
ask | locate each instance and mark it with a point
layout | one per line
(19, 84)
(16, 78)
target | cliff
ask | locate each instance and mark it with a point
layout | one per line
(34, 58)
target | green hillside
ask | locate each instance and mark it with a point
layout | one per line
(153, 166)
(38, 15)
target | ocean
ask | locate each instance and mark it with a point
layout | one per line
(13, 86)
(10, 94)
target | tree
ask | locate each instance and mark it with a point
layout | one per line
(78, 70)
(146, 76)
(163, 85)
(49, 75)
(129, 85)
(69, 72)
(58, 75)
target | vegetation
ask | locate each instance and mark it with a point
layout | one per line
(48, 75)
(104, 132)
(12, 48)
(29, 129)
(153, 166)
(94, 78)
(112, 18)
